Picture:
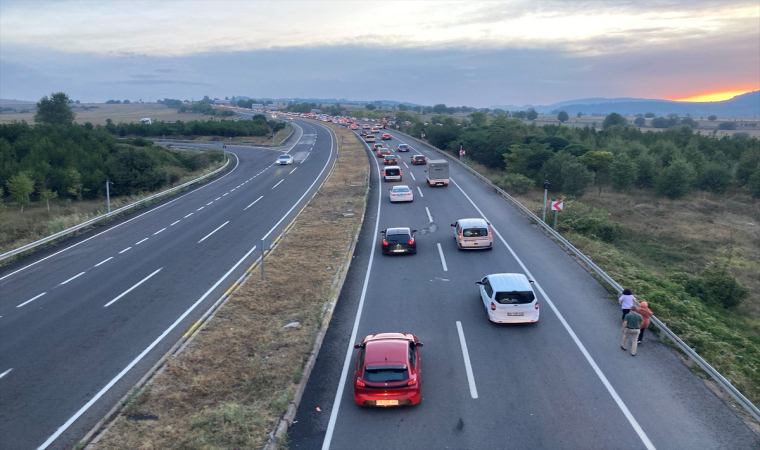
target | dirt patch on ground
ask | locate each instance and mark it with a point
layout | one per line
(231, 385)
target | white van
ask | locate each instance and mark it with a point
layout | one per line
(473, 233)
(509, 298)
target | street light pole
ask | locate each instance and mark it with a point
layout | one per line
(108, 195)
(547, 185)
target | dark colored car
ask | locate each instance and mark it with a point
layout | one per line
(399, 240)
(381, 152)
(363, 133)
(402, 147)
(419, 159)
(387, 370)
(390, 160)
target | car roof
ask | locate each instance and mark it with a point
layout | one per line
(391, 167)
(386, 351)
(390, 156)
(398, 230)
(472, 222)
(505, 282)
(418, 156)
(401, 186)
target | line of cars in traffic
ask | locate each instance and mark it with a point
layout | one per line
(387, 371)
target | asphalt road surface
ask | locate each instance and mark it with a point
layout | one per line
(82, 322)
(562, 383)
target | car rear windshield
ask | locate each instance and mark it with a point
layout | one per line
(386, 374)
(400, 189)
(515, 297)
(398, 238)
(391, 172)
(475, 232)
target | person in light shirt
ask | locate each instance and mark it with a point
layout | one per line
(626, 301)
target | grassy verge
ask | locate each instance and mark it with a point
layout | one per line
(664, 242)
(37, 221)
(231, 385)
(98, 113)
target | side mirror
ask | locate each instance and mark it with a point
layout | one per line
(479, 282)
(531, 281)
(488, 223)
(358, 345)
(414, 231)
(419, 344)
(453, 224)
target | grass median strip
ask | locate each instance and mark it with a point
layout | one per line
(231, 385)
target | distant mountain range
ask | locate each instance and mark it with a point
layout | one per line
(745, 105)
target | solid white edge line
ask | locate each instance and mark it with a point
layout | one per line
(354, 331)
(217, 229)
(636, 427)
(278, 183)
(139, 357)
(104, 261)
(31, 300)
(6, 372)
(75, 276)
(132, 288)
(443, 260)
(430, 218)
(467, 365)
(126, 249)
(418, 188)
(125, 222)
(413, 178)
(254, 202)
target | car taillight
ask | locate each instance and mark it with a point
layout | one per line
(493, 306)
(489, 234)
(359, 382)
(411, 382)
(460, 236)
(411, 241)
(385, 242)
(536, 304)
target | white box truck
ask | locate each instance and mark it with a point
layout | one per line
(438, 172)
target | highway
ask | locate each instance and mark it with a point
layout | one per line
(562, 383)
(82, 322)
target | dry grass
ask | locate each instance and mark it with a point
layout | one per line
(36, 222)
(97, 113)
(229, 388)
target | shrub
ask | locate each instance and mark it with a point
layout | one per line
(514, 183)
(584, 220)
(721, 287)
(675, 181)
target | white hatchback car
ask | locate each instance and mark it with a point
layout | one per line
(285, 159)
(401, 193)
(509, 298)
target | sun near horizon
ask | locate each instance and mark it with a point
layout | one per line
(713, 96)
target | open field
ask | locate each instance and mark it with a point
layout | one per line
(234, 381)
(97, 113)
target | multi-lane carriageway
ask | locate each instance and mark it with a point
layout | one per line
(563, 383)
(81, 323)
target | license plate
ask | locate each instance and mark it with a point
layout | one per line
(386, 402)
(398, 251)
(515, 314)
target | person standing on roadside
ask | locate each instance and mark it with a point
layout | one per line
(645, 313)
(626, 300)
(631, 327)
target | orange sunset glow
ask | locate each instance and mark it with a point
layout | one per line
(713, 96)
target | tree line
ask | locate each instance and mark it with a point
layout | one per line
(672, 163)
(258, 126)
(58, 158)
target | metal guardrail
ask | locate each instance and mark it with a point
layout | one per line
(113, 213)
(693, 356)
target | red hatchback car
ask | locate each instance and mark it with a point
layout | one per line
(388, 370)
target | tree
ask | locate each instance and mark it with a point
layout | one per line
(712, 117)
(599, 163)
(126, 102)
(47, 195)
(676, 180)
(727, 126)
(580, 114)
(531, 114)
(440, 108)
(20, 186)
(714, 178)
(640, 121)
(370, 107)
(614, 119)
(479, 119)
(649, 115)
(575, 179)
(76, 186)
(563, 117)
(753, 183)
(690, 122)
(54, 110)
(623, 173)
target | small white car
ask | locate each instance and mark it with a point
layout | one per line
(508, 298)
(285, 159)
(401, 193)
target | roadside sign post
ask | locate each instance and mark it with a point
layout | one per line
(547, 185)
(557, 207)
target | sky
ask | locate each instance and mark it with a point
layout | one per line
(460, 53)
